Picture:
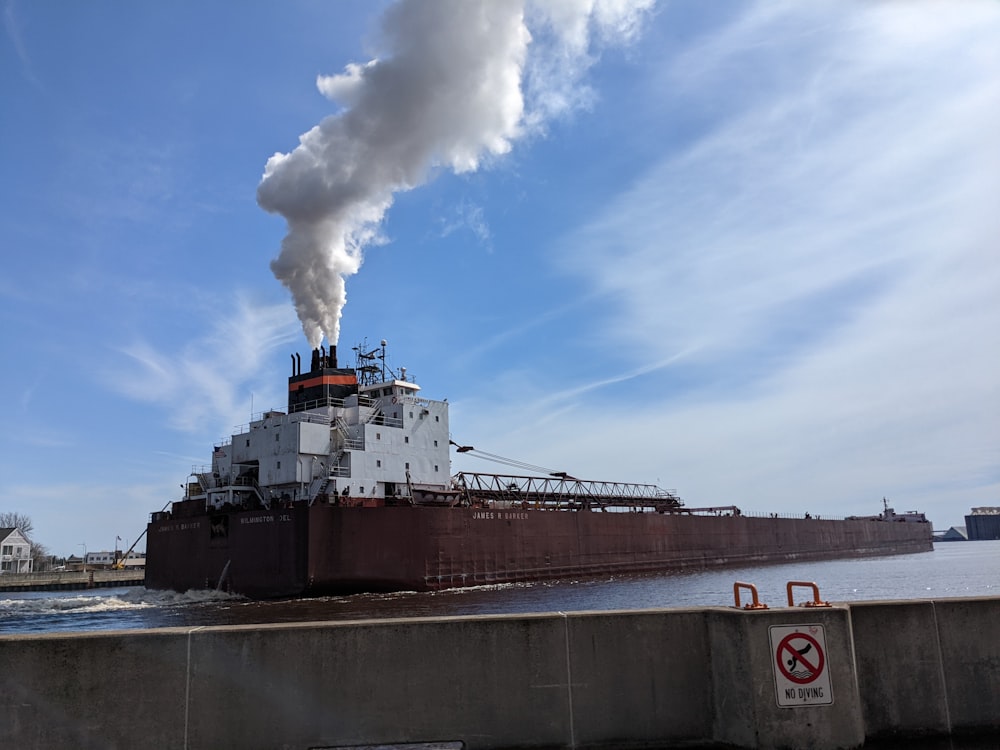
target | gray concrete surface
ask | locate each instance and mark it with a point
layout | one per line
(651, 678)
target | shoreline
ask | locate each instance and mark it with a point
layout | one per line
(72, 580)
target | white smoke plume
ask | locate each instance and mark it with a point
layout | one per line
(458, 82)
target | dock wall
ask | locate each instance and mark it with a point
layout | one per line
(71, 580)
(651, 678)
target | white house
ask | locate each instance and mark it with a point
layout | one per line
(15, 552)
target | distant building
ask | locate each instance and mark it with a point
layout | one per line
(102, 559)
(135, 561)
(954, 534)
(983, 524)
(105, 559)
(15, 552)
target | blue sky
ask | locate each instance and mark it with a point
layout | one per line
(746, 251)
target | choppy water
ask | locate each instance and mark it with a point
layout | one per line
(951, 570)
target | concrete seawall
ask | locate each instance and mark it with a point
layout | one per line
(71, 580)
(652, 678)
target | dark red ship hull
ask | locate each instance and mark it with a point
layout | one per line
(323, 549)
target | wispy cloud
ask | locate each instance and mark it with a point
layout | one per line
(214, 380)
(12, 28)
(826, 253)
(741, 226)
(470, 217)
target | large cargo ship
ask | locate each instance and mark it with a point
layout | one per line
(350, 489)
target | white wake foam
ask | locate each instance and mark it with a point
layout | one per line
(107, 602)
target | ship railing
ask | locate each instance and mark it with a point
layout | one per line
(563, 492)
(338, 469)
(244, 482)
(375, 414)
(311, 417)
(339, 428)
(253, 484)
(374, 411)
(296, 415)
(803, 515)
(382, 420)
(342, 443)
(317, 404)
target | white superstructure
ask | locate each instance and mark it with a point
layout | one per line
(358, 444)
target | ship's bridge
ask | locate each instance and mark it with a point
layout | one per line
(398, 389)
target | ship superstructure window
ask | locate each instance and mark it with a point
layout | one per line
(248, 442)
(378, 435)
(411, 415)
(277, 436)
(407, 464)
(406, 439)
(378, 463)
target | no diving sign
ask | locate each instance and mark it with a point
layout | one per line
(801, 674)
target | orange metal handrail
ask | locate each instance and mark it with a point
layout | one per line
(816, 602)
(756, 604)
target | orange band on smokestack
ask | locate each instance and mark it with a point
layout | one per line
(324, 380)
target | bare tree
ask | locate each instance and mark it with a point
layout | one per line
(38, 552)
(19, 521)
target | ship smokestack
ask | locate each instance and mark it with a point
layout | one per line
(325, 384)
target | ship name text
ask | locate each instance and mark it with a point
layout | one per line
(181, 526)
(498, 515)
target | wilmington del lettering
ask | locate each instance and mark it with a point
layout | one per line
(266, 518)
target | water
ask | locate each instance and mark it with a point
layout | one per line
(951, 570)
